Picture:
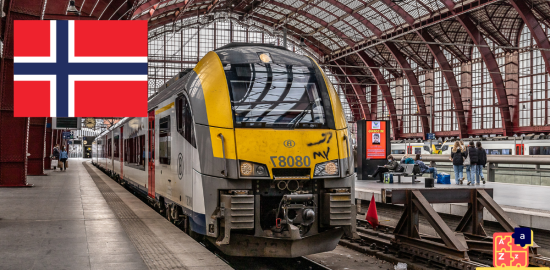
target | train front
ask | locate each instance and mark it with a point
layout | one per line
(289, 186)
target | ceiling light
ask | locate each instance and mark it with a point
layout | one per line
(72, 9)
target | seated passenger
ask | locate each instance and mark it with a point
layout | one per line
(392, 165)
(425, 169)
(407, 159)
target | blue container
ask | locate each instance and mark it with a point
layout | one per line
(444, 179)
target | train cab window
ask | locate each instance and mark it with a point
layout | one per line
(165, 140)
(275, 95)
(426, 148)
(184, 120)
(444, 148)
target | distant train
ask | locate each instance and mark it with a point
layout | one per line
(250, 149)
(527, 145)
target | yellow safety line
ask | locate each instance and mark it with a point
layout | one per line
(167, 107)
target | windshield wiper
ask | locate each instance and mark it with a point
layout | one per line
(302, 115)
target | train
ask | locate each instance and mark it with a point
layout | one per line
(530, 144)
(249, 150)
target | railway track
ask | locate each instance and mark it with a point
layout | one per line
(244, 263)
(382, 244)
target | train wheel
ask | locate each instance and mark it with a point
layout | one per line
(169, 214)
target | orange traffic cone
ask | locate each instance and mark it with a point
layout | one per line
(372, 215)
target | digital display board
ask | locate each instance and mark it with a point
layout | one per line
(66, 122)
(376, 134)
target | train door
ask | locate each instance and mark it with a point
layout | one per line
(151, 172)
(122, 153)
(409, 149)
(520, 149)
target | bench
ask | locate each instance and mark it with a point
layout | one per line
(411, 170)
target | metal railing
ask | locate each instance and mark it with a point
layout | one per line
(493, 162)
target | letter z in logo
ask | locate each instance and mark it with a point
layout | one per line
(289, 143)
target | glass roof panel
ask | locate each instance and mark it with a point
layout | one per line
(414, 8)
(388, 13)
(359, 26)
(375, 19)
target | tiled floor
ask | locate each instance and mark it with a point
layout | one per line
(63, 222)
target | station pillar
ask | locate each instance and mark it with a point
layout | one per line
(37, 145)
(14, 131)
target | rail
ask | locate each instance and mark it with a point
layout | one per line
(493, 161)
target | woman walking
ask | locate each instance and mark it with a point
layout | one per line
(63, 156)
(471, 169)
(481, 161)
(55, 156)
(458, 162)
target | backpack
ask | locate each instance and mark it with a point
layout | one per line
(399, 168)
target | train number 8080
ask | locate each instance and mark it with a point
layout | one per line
(290, 161)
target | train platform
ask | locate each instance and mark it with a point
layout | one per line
(527, 205)
(81, 219)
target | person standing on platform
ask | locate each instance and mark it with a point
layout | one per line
(392, 165)
(458, 155)
(55, 155)
(423, 168)
(481, 161)
(63, 156)
(471, 169)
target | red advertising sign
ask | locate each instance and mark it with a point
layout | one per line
(376, 139)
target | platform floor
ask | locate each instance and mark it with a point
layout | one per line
(81, 219)
(514, 195)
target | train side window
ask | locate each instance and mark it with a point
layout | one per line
(185, 120)
(165, 140)
(109, 148)
(117, 150)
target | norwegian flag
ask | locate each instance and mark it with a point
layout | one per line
(80, 68)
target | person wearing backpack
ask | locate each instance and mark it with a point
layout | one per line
(481, 161)
(471, 166)
(55, 155)
(457, 155)
(63, 156)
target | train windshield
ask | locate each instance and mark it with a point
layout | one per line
(273, 95)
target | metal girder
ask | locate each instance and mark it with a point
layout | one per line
(443, 63)
(386, 93)
(413, 82)
(36, 145)
(451, 81)
(148, 15)
(494, 71)
(535, 28)
(145, 6)
(360, 95)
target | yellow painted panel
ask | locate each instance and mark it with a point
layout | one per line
(337, 109)
(342, 146)
(260, 145)
(216, 92)
(165, 108)
(229, 142)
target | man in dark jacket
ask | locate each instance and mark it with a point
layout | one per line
(392, 165)
(471, 169)
(481, 161)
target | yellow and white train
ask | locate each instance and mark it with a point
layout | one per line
(250, 149)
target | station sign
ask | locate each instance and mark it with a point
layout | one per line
(430, 136)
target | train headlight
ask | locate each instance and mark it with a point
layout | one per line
(251, 169)
(246, 169)
(328, 168)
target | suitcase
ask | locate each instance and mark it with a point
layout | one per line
(388, 178)
(444, 179)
